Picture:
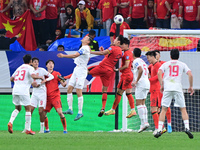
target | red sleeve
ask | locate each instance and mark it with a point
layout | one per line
(119, 1)
(149, 68)
(198, 3)
(114, 3)
(59, 4)
(57, 76)
(131, 3)
(155, 1)
(68, 1)
(113, 28)
(181, 2)
(45, 2)
(31, 2)
(145, 2)
(100, 4)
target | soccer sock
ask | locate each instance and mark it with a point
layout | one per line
(145, 114)
(186, 123)
(117, 100)
(104, 99)
(41, 127)
(13, 116)
(46, 123)
(28, 121)
(168, 115)
(131, 100)
(80, 104)
(160, 126)
(141, 113)
(64, 123)
(70, 100)
(155, 119)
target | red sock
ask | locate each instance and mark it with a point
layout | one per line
(104, 99)
(46, 124)
(64, 123)
(155, 119)
(168, 115)
(116, 102)
(131, 100)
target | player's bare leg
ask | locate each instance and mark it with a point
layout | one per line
(69, 100)
(131, 103)
(104, 99)
(80, 104)
(28, 120)
(42, 118)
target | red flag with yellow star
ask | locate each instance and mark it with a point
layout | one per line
(22, 27)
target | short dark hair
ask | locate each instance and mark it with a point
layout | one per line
(49, 61)
(137, 52)
(61, 46)
(35, 58)
(121, 39)
(126, 41)
(174, 53)
(151, 53)
(92, 32)
(157, 51)
(27, 58)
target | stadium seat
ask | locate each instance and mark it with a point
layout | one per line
(103, 32)
(73, 33)
(85, 32)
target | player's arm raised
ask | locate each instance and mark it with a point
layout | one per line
(101, 52)
(60, 55)
(127, 62)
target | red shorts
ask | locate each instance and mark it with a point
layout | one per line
(125, 82)
(53, 102)
(155, 99)
(103, 72)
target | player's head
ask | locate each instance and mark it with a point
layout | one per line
(27, 59)
(60, 48)
(125, 45)
(86, 40)
(174, 53)
(157, 54)
(35, 62)
(137, 52)
(92, 34)
(119, 40)
(50, 64)
(151, 57)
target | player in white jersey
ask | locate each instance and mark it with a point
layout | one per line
(172, 87)
(79, 75)
(141, 82)
(22, 79)
(39, 94)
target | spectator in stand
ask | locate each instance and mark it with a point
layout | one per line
(43, 48)
(52, 13)
(161, 13)
(92, 5)
(191, 12)
(38, 13)
(175, 22)
(60, 48)
(84, 19)
(108, 9)
(63, 16)
(123, 26)
(151, 21)
(19, 7)
(3, 5)
(123, 8)
(58, 34)
(70, 22)
(72, 2)
(138, 14)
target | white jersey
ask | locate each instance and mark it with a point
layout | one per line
(173, 71)
(144, 81)
(83, 59)
(22, 79)
(42, 72)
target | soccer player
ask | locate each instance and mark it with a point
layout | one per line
(172, 87)
(106, 68)
(53, 96)
(79, 75)
(125, 81)
(142, 84)
(22, 78)
(39, 96)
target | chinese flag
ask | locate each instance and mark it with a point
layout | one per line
(22, 27)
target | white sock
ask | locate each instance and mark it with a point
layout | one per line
(13, 116)
(133, 109)
(41, 127)
(160, 126)
(145, 114)
(80, 104)
(169, 124)
(141, 113)
(70, 100)
(186, 123)
(28, 121)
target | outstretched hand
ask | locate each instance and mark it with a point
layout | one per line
(60, 55)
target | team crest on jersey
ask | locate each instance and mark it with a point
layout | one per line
(127, 57)
(109, 48)
(193, 2)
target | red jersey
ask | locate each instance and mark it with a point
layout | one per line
(162, 62)
(111, 59)
(73, 2)
(37, 5)
(161, 9)
(138, 8)
(128, 56)
(91, 5)
(62, 9)
(52, 9)
(123, 26)
(123, 11)
(175, 5)
(52, 86)
(151, 21)
(190, 9)
(154, 83)
(107, 7)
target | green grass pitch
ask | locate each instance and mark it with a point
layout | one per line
(56, 140)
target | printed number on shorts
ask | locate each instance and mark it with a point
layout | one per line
(173, 71)
(20, 75)
(41, 102)
(145, 69)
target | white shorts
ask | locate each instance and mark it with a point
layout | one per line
(39, 99)
(23, 100)
(78, 77)
(141, 93)
(169, 95)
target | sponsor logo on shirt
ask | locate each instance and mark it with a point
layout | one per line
(137, 5)
(106, 4)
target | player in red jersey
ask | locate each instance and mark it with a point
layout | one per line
(106, 67)
(53, 96)
(125, 81)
